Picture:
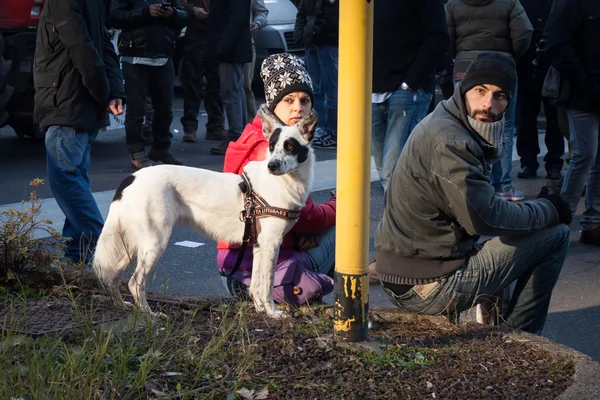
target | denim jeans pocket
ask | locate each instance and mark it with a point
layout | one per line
(410, 301)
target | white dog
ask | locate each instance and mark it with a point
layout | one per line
(149, 203)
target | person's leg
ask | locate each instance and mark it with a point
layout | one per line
(215, 125)
(502, 169)
(67, 162)
(405, 111)
(323, 256)
(555, 142)
(591, 215)
(583, 129)
(328, 60)
(311, 59)
(136, 90)
(379, 112)
(232, 92)
(528, 148)
(249, 95)
(191, 80)
(533, 260)
(161, 93)
(235, 288)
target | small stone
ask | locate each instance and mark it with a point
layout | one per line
(429, 385)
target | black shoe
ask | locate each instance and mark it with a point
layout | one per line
(163, 155)
(554, 173)
(591, 236)
(527, 172)
(139, 160)
(220, 149)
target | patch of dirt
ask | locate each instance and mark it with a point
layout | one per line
(421, 357)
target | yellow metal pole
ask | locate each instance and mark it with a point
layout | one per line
(351, 305)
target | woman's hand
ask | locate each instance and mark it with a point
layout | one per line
(306, 242)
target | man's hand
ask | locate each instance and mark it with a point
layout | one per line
(254, 29)
(115, 106)
(157, 11)
(200, 13)
(306, 242)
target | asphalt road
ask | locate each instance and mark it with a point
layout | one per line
(574, 318)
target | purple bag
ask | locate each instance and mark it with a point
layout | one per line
(297, 285)
(294, 282)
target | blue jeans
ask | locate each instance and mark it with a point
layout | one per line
(322, 260)
(584, 165)
(534, 260)
(393, 121)
(67, 162)
(233, 97)
(501, 169)
(311, 58)
(328, 60)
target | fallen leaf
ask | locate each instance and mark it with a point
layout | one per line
(246, 394)
(262, 395)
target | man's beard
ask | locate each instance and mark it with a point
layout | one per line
(483, 115)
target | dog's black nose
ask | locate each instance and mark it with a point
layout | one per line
(273, 166)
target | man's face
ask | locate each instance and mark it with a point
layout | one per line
(486, 103)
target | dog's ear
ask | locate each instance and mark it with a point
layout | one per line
(308, 125)
(270, 122)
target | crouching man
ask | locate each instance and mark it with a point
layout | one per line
(440, 201)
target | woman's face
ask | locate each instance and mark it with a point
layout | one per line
(293, 107)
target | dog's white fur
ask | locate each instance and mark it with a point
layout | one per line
(139, 224)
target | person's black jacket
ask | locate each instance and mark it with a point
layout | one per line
(317, 23)
(143, 35)
(76, 70)
(410, 38)
(228, 31)
(537, 11)
(327, 25)
(572, 46)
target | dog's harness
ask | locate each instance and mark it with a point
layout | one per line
(255, 207)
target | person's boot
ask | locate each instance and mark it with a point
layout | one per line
(163, 155)
(139, 160)
(591, 236)
(189, 136)
(217, 135)
(527, 172)
(220, 149)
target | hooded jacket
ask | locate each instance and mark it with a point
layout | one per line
(440, 201)
(486, 25)
(253, 146)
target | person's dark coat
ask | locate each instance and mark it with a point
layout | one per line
(572, 46)
(410, 39)
(228, 31)
(143, 35)
(317, 23)
(76, 70)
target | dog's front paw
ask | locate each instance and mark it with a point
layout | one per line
(277, 314)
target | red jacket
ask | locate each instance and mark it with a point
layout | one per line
(253, 146)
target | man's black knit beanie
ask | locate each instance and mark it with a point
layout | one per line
(491, 68)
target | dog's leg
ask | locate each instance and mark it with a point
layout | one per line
(263, 273)
(137, 284)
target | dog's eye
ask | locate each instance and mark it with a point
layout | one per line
(289, 147)
(271, 147)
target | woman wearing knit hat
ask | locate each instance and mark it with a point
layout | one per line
(310, 245)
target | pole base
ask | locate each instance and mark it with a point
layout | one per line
(351, 307)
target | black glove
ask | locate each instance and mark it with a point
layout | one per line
(562, 207)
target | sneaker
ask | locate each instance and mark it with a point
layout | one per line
(218, 135)
(189, 137)
(139, 160)
(220, 149)
(527, 172)
(511, 195)
(590, 236)
(325, 141)
(163, 155)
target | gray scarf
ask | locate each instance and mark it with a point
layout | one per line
(492, 133)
